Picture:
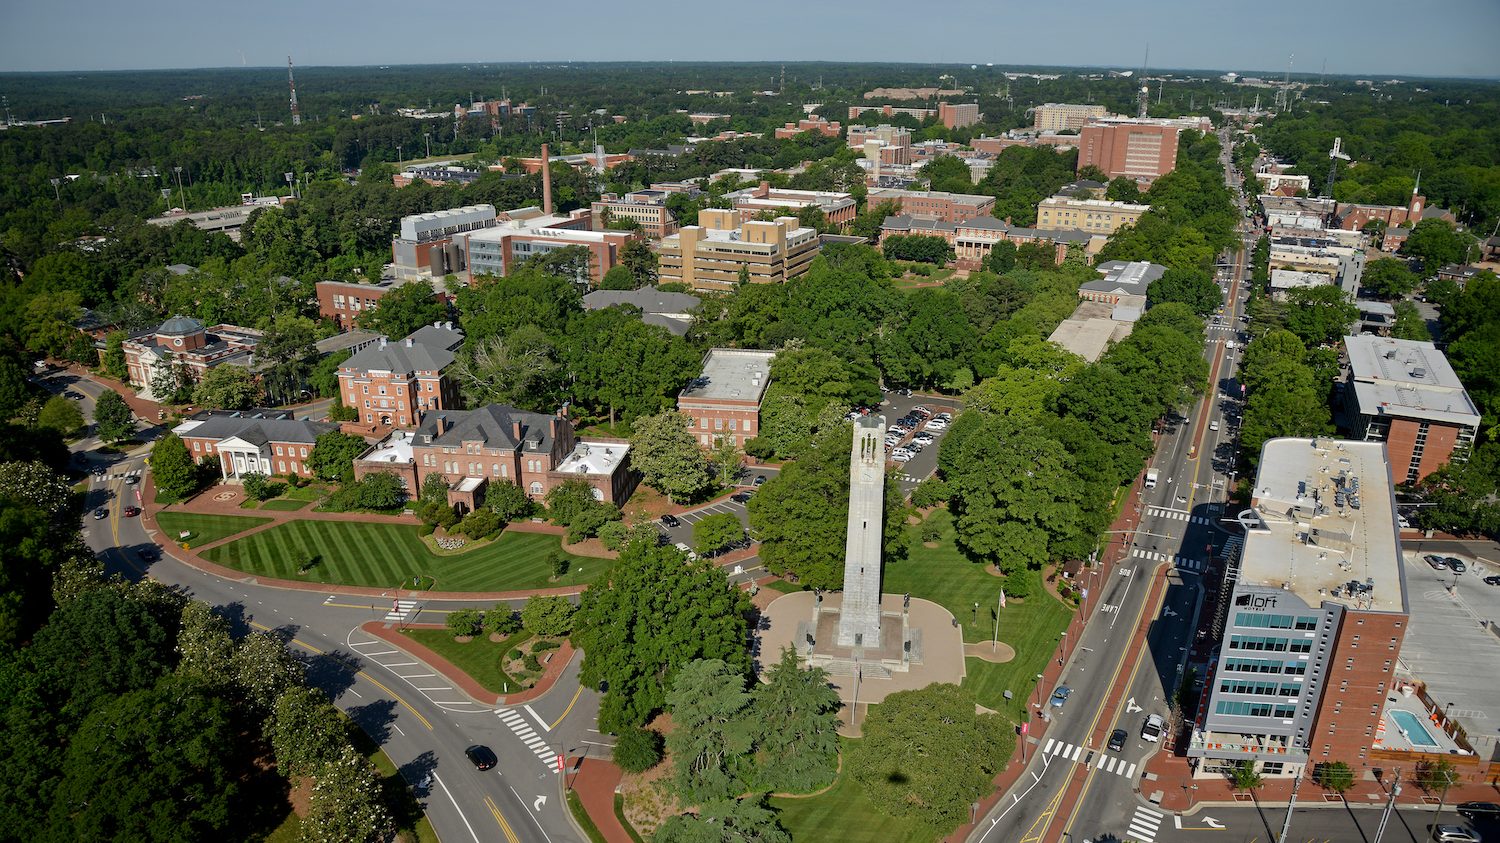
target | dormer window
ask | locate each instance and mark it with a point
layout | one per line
(177, 340)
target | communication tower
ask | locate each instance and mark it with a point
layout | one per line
(292, 83)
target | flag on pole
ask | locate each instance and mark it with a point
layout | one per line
(1002, 598)
(1025, 727)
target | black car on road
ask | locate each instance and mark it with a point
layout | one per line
(482, 756)
(1117, 740)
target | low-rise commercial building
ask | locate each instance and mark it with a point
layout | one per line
(973, 239)
(710, 255)
(1405, 394)
(344, 301)
(471, 449)
(394, 384)
(1283, 184)
(1300, 212)
(1122, 283)
(724, 401)
(1345, 266)
(1312, 615)
(436, 175)
(646, 208)
(1284, 281)
(934, 204)
(252, 442)
(1092, 215)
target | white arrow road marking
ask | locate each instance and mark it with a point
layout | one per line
(1131, 707)
(540, 801)
(1213, 823)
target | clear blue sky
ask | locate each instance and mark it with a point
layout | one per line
(1365, 37)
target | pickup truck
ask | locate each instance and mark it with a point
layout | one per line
(1151, 730)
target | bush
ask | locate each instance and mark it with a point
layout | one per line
(531, 663)
(514, 654)
(464, 622)
(929, 492)
(545, 645)
(637, 750)
(586, 524)
(501, 620)
(260, 487)
(614, 535)
(481, 523)
(551, 616)
(931, 530)
(1020, 582)
(508, 500)
(426, 529)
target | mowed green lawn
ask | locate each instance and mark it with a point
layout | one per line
(205, 528)
(1032, 626)
(385, 555)
(480, 658)
(845, 814)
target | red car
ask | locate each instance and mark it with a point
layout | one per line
(131, 511)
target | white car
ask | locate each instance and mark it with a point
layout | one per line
(1213, 425)
(1153, 727)
(902, 455)
(923, 438)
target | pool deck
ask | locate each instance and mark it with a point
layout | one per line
(1395, 739)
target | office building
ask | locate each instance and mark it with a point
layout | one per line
(724, 401)
(815, 124)
(838, 208)
(894, 142)
(1404, 393)
(1060, 117)
(646, 208)
(499, 250)
(1123, 282)
(1092, 215)
(951, 114)
(425, 247)
(394, 384)
(1313, 613)
(344, 301)
(673, 311)
(1138, 149)
(252, 442)
(710, 255)
(932, 204)
(973, 239)
(471, 449)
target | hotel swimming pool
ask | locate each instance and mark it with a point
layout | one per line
(1416, 733)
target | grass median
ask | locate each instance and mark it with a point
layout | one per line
(384, 555)
(203, 528)
(480, 658)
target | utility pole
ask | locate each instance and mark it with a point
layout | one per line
(292, 83)
(1390, 805)
(1286, 827)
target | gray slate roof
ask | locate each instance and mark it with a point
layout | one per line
(648, 299)
(493, 424)
(180, 326)
(260, 431)
(428, 349)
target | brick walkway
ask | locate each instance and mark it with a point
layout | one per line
(595, 783)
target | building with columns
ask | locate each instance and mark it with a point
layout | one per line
(185, 342)
(252, 442)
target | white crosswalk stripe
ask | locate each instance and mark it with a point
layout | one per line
(1182, 562)
(401, 610)
(1144, 824)
(522, 729)
(1178, 515)
(1069, 752)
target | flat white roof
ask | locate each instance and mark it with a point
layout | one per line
(732, 374)
(1290, 279)
(1323, 518)
(395, 448)
(1395, 377)
(594, 458)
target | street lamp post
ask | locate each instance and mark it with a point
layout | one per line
(1038, 693)
(178, 171)
(1062, 649)
(427, 136)
(399, 158)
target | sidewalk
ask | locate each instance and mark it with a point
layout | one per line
(1031, 742)
(466, 683)
(595, 784)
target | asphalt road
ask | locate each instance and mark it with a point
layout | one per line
(421, 722)
(1073, 786)
(1322, 824)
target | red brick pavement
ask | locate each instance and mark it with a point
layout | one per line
(595, 783)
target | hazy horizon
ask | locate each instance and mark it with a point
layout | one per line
(1449, 38)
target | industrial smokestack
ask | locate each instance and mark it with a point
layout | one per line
(546, 181)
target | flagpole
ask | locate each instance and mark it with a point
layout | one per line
(995, 638)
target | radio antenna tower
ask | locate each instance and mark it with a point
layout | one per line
(1143, 100)
(292, 83)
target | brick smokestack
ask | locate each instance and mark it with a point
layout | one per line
(546, 181)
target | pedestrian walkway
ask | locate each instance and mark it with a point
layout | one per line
(1144, 824)
(1184, 563)
(1104, 761)
(1178, 515)
(120, 475)
(522, 729)
(401, 610)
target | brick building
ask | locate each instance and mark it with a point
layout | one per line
(265, 442)
(724, 401)
(709, 256)
(396, 383)
(839, 208)
(973, 239)
(185, 342)
(815, 124)
(425, 247)
(954, 115)
(1404, 393)
(1312, 616)
(931, 204)
(497, 251)
(472, 448)
(342, 302)
(647, 208)
(1094, 215)
(1139, 149)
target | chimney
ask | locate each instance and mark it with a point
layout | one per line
(546, 180)
(382, 343)
(515, 429)
(442, 425)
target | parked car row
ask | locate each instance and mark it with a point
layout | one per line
(920, 424)
(1445, 563)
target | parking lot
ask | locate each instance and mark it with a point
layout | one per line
(921, 466)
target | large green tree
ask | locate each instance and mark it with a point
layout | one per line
(929, 754)
(288, 347)
(403, 310)
(113, 420)
(172, 467)
(1320, 315)
(1436, 243)
(725, 821)
(1388, 278)
(227, 388)
(796, 712)
(664, 450)
(333, 455)
(652, 615)
(1192, 287)
(712, 738)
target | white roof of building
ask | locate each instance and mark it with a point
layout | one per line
(1407, 378)
(589, 457)
(1324, 518)
(395, 448)
(1289, 279)
(732, 374)
(1127, 277)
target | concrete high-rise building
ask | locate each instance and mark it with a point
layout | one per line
(859, 618)
(1405, 394)
(1313, 613)
(1061, 116)
(710, 255)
